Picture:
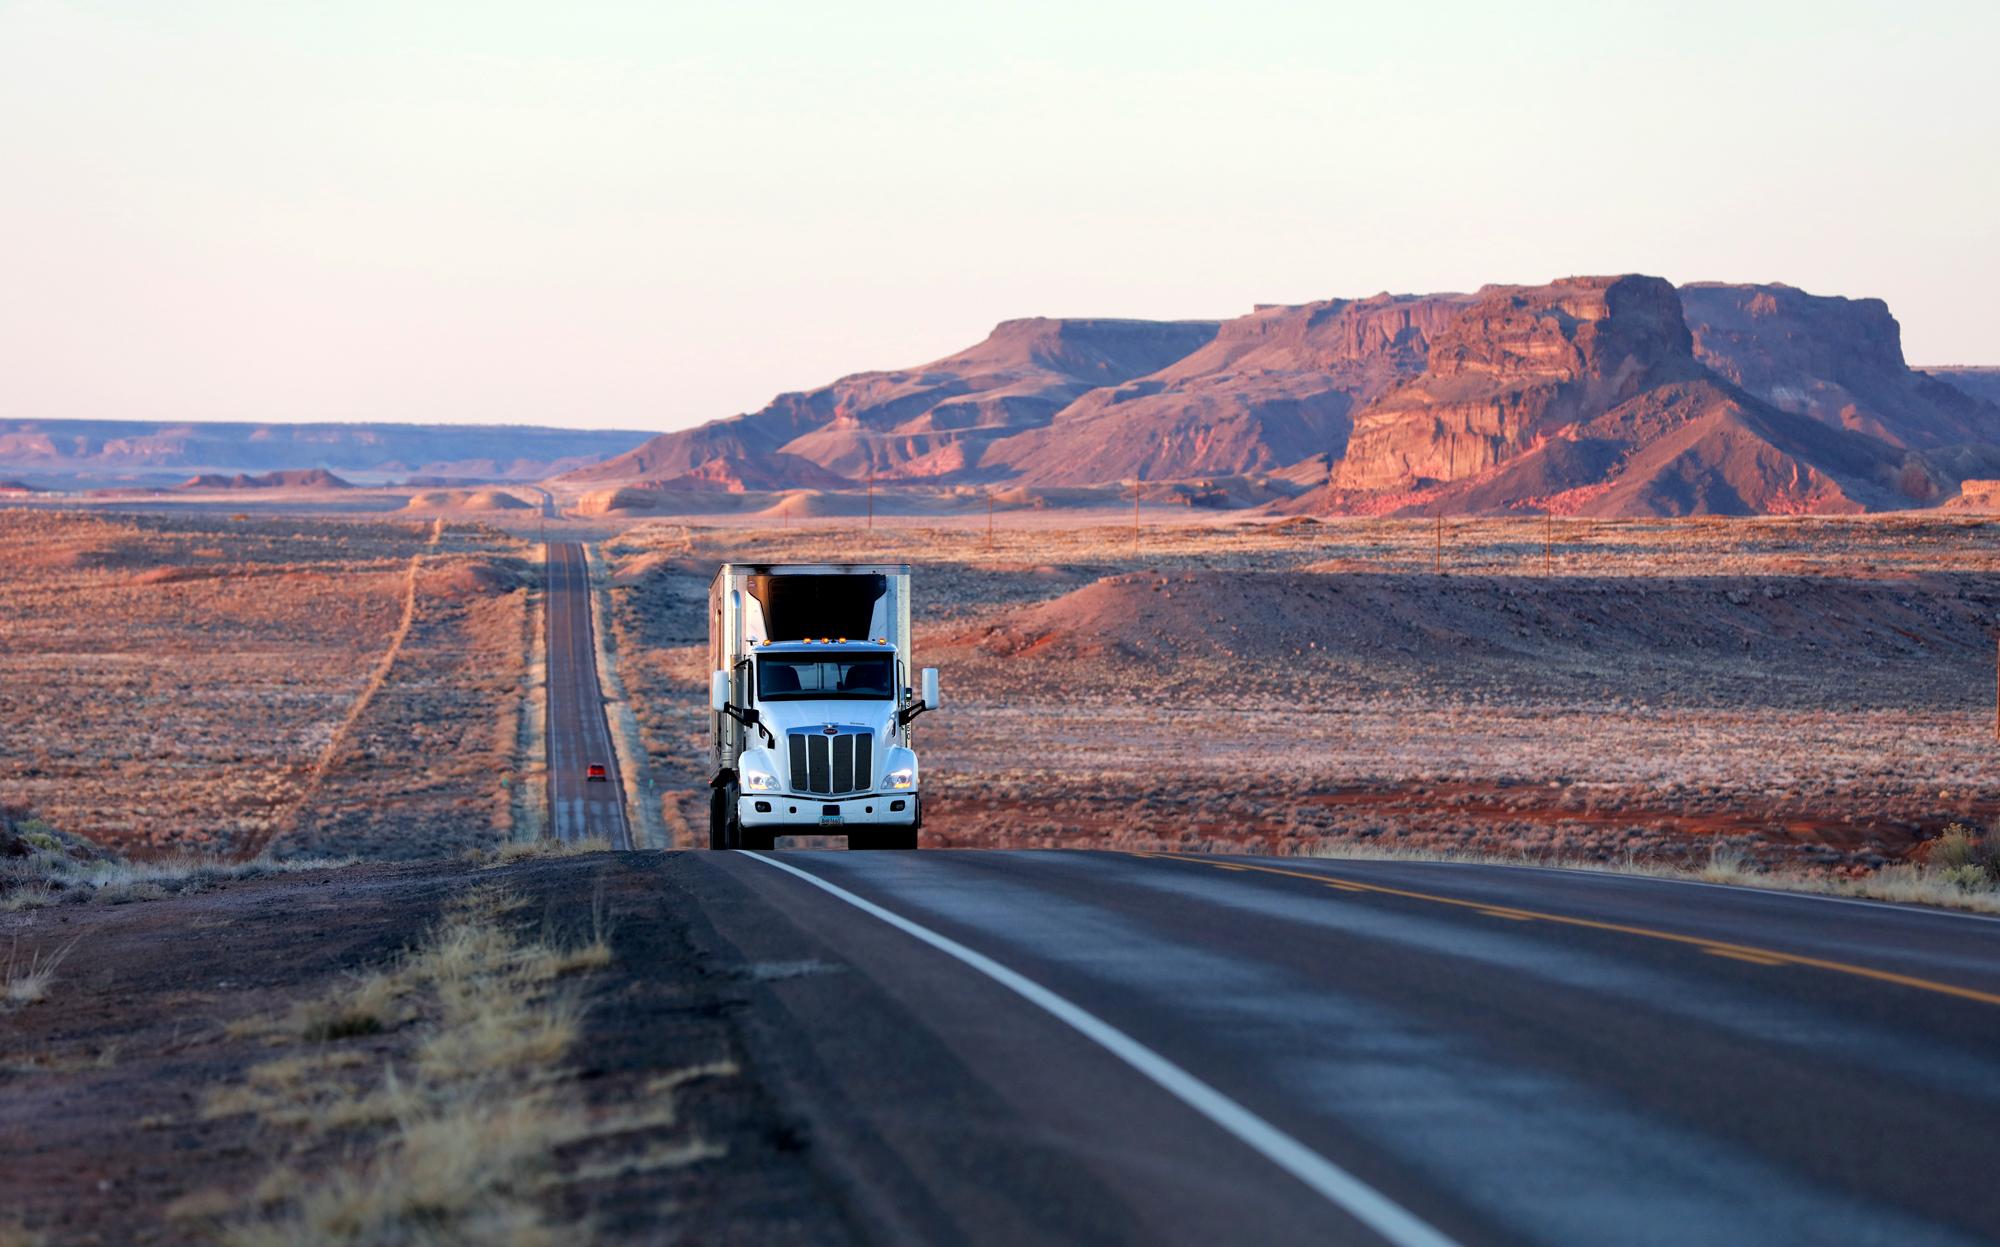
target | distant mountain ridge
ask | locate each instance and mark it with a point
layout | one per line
(1594, 395)
(446, 451)
(298, 478)
(1982, 383)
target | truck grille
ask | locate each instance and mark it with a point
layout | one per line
(843, 762)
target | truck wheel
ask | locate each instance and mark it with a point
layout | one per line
(736, 835)
(718, 819)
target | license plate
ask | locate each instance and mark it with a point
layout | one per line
(829, 820)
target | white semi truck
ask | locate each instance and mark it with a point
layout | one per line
(813, 700)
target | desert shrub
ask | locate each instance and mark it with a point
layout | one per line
(1966, 877)
(40, 865)
(1727, 863)
(1966, 857)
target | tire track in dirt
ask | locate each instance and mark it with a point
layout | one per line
(337, 743)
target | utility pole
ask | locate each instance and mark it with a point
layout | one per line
(989, 519)
(1548, 543)
(1135, 513)
(871, 498)
(1437, 552)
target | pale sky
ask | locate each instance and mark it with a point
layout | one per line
(650, 214)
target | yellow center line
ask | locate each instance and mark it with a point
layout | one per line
(1720, 948)
(1736, 956)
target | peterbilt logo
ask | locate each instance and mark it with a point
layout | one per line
(831, 730)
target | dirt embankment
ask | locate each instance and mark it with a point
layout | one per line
(1820, 720)
(461, 501)
(1763, 640)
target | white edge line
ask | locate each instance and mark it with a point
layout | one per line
(1364, 1203)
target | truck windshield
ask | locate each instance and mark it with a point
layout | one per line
(816, 677)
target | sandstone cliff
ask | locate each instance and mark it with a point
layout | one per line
(1515, 368)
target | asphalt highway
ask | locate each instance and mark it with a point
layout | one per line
(578, 734)
(1103, 1047)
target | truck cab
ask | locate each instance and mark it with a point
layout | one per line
(814, 706)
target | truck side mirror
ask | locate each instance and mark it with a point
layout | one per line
(718, 690)
(930, 684)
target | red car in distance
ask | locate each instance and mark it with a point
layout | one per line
(595, 773)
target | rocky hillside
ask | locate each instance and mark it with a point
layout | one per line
(1589, 395)
(1272, 389)
(931, 421)
(1837, 360)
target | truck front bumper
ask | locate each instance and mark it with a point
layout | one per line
(829, 814)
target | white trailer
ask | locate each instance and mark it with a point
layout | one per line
(813, 698)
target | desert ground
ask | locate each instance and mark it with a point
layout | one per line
(1800, 691)
(212, 684)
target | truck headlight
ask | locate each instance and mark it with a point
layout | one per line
(759, 781)
(903, 777)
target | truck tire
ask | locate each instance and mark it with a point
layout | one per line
(718, 819)
(735, 835)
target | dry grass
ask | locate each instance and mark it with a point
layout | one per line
(1904, 883)
(60, 868)
(28, 982)
(465, 1138)
(527, 788)
(528, 850)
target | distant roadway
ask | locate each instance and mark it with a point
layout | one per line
(578, 735)
(1106, 1047)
